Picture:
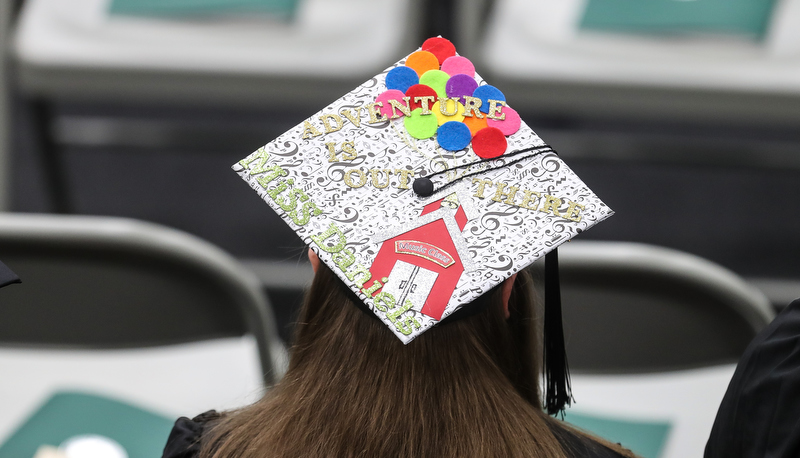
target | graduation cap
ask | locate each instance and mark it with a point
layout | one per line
(422, 189)
(7, 276)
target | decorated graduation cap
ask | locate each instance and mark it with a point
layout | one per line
(422, 190)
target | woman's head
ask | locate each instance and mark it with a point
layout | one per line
(498, 327)
(466, 388)
(496, 332)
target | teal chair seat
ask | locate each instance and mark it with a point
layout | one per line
(71, 414)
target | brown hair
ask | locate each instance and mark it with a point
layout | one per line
(466, 388)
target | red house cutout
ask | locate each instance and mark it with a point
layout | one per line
(434, 243)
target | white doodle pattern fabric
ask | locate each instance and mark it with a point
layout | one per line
(344, 208)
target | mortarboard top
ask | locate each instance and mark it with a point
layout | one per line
(422, 189)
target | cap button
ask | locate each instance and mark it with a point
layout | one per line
(423, 186)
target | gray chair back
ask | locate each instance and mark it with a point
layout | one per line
(101, 282)
(632, 307)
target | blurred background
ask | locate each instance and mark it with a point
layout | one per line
(683, 116)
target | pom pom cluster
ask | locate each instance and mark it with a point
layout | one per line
(435, 75)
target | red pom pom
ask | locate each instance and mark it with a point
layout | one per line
(440, 47)
(420, 90)
(489, 142)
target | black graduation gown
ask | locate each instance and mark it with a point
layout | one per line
(184, 440)
(760, 413)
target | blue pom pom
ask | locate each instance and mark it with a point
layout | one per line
(401, 78)
(487, 92)
(453, 136)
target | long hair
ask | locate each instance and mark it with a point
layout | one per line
(466, 388)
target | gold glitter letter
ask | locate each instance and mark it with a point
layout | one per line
(355, 119)
(404, 175)
(375, 115)
(481, 185)
(375, 172)
(399, 106)
(349, 150)
(573, 212)
(530, 197)
(551, 203)
(348, 179)
(310, 131)
(444, 103)
(326, 121)
(472, 104)
(494, 109)
(509, 196)
(331, 151)
(426, 102)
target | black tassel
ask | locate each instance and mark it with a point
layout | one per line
(558, 392)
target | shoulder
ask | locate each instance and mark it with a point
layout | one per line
(758, 415)
(579, 446)
(184, 439)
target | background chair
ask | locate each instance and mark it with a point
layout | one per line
(547, 61)
(653, 336)
(76, 51)
(632, 307)
(680, 96)
(285, 285)
(131, 310)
